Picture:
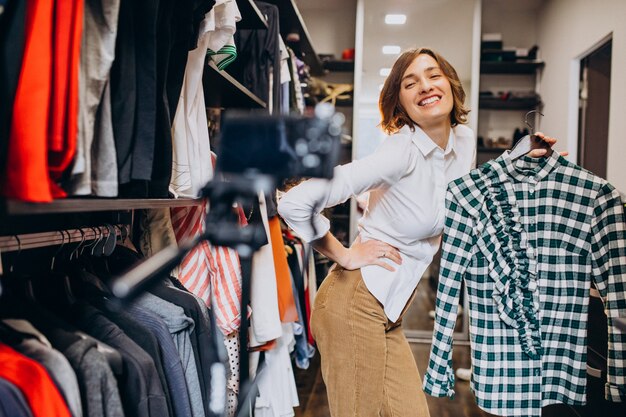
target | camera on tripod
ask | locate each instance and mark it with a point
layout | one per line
(254, 145)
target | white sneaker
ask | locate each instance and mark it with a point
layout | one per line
(464, 374)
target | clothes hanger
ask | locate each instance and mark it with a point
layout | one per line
(528, 142)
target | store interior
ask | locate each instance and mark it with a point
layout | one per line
(96, 233)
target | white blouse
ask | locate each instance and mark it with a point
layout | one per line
(407, 177)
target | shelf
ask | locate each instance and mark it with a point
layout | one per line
(511, 104)
(513, 67)
(78, 205)
(222, 90)
(291, 22)
(339, 65)
(251, 16)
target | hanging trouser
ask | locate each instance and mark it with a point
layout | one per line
(367, 364)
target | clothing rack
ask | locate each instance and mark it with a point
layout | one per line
(59, 237)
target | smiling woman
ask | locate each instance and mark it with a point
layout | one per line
(366, 294)
(430, 95)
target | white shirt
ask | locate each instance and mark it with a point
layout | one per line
(407, 177)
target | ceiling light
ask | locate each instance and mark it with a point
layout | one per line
(395, 19)
(391, 49)
(384, 71)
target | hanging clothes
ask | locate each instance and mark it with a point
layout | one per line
(286, 303)
(33, 381)
(95, 166)
(36, 346)
(42, 138)
(213, 273)
(527, 237)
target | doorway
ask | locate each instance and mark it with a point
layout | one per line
(593, 117)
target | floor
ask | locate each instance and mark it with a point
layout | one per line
(313, 401)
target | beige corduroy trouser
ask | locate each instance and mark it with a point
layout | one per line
(367, 364)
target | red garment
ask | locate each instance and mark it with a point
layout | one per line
(44, 123)
(63, 127)
(27, 160)
(42, 396)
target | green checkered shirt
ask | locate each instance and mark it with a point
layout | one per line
(528, 236)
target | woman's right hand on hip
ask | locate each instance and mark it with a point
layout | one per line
(371, 252)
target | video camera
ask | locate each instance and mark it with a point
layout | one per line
(279, 147)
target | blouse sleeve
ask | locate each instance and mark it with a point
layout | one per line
(301, 206)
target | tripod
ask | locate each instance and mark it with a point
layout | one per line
(222, 229)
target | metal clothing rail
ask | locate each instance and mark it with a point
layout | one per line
(37, 240)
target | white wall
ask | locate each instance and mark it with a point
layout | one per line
(567, 29)
(331, 27)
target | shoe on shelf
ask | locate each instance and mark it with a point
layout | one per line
(463, 374)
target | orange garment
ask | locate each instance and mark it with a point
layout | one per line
(44, 124)
(42, 396)
(27, 160)
(286, 304)
(63, 128)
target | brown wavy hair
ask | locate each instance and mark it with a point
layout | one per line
(394, 117)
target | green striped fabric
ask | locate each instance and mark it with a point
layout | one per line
(223, 57)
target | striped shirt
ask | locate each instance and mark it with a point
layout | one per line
(212, 273)
(527, 237)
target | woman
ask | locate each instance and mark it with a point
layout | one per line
(367, 364)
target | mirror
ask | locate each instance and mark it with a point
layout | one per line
(426, 23)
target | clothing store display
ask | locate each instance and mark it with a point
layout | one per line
(259, 58)
(191, 166)
(26, 176)
(527, 237)
(200, 337)
(35, 346)
(42, 396)
(140, 331)
(98, 386)
(105, 99)
(64, 100)
(172, 365)
(277, 388)
(286, 302)
(188, 19)
(95, 166)
(211, 273)
(134, 99)
(354, 389)
(393, 174)
(180, 327)
(140, 389)
(265, 323)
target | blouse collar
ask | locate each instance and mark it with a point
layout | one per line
(526, 168)
(425, 144)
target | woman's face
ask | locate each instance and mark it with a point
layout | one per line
(425, 92)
